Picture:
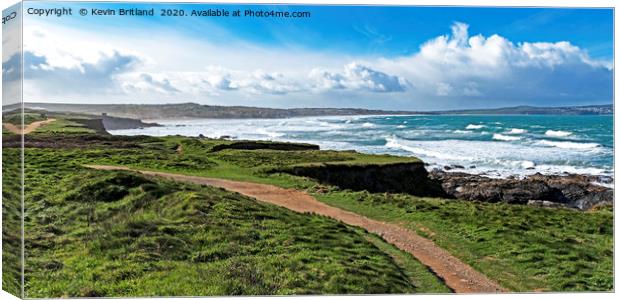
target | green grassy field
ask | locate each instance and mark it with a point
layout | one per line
(97, 233)
(16, 118)
(523, 248)
(11, 222)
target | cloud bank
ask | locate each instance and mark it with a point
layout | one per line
(449, 71)
(459, 65)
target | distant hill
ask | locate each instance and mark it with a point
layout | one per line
(607, 109)
(194, 111)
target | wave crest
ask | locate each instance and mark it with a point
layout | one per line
(474, 126)
(557, 133)
(569, 145)
(501, 137)
(516, 131)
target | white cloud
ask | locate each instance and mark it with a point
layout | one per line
(268, 83)
(52, 66)
(493, 68)
(213, 81)
(356, 76)
(146, 82)
(11, 66)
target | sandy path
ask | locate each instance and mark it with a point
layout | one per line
(459, 276)
(28, 129)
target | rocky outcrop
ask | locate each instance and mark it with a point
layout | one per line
(259, 145)
(115, 123)
(575, 191)
(408, 177)
(95, 124)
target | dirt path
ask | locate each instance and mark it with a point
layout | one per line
(28, 129)
(459, 276)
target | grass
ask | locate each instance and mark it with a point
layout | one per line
(16, 118)
(64, 126)
(98, 233)
(417, 273)
(11, 222)
(523, 248)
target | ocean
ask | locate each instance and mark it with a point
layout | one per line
(495, 146)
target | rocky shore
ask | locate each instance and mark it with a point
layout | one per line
(571, 190)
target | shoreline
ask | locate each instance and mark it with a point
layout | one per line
(563, 190)
(547, 145)
(604, 179)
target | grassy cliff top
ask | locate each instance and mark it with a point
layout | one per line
(101, 233)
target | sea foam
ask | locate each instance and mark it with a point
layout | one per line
(516, 131)
(557, 133)
(501, 137)
(474, 126)
(568, 145)
(462, 131)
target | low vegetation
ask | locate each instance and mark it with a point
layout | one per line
(11, 223)
(97, 233)
(16, 118)
(523, 248)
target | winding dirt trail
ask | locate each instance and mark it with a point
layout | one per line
(459, 276)
(28, 129)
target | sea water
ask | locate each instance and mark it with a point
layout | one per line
(495, 146)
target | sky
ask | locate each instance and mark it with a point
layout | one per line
(400, 58)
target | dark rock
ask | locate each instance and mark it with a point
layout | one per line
(572, 190)
(411, 178)
(605, 179)
(259, 145)
(115, 123)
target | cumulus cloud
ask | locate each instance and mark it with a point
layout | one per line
(268, 83)
(46, 77)
(213, 81)
(146, 82)
(356, 76)
(11, 68)
(50, 69)
(494, 68)
(11, 62)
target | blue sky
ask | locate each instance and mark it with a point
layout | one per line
(353, 56)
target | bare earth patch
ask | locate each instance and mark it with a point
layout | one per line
(28, 129)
